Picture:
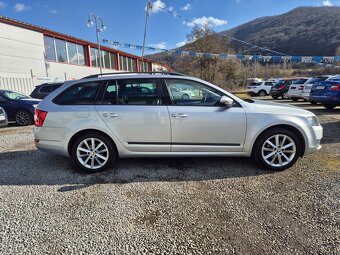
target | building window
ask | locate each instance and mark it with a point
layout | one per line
(61, 50)
(64, 51)
(113, 60)
(94, 57)
(49, 48)
(81, 54)
(106, 59)
(72, 53)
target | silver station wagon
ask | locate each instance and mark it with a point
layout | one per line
(101, 118)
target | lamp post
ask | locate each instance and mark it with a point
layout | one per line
(148, 8)
(93, 20)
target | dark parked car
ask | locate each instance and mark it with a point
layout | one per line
(42, 90)
(19, 108)
(327, 93)
(281, 88)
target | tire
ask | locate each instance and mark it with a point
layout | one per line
(284, 96)
(275, 97)
(262, 93)
(295, 99)
(185, 97)
(329, 106)
(313, 102)
(23, 118)
(90, 160)
(262, 149)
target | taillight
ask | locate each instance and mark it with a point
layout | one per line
(282, 87)
(300, 88)
(39, 117)
(335, 87)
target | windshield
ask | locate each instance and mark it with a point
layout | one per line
(14, 95)
(300, 81)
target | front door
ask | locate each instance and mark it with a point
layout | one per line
(200, 123)
(133, 110)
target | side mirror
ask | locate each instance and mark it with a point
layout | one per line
(227, 101)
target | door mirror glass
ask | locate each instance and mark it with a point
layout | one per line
(227, 101)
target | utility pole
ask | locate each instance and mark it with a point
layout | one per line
(148, 8)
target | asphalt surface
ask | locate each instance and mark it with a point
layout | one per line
(169, 206)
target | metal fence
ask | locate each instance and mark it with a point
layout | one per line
(23, 85)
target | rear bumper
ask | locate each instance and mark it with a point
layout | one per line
(294, 95)
(52, 140)
(325, 99)
(305, 95)
(276, 93)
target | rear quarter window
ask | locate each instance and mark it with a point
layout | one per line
(79, 94)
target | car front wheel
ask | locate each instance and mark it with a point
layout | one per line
(277, 149)
(93, 152)
(23, 118)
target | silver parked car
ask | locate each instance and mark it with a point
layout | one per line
(100, 118)
(3, 118)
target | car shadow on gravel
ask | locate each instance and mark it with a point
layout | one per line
(331, 131)
(38, 168)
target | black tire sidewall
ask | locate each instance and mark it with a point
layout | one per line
(257, 151)
(262, 91)
(111, 147)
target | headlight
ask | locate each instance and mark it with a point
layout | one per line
(35, 105)
(313, 120)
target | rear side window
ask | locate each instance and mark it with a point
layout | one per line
(45, 89)
(132, 92)
(54, 87)
(79, 94)
(268, 84)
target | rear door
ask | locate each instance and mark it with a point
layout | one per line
(134, 111)
(201, 123)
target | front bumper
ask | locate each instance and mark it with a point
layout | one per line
(314, 143)
(276, 93)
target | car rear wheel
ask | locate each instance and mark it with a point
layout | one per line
(262, 93)
(93, 152)
(23, 118)
(277, 149)
(329, 106)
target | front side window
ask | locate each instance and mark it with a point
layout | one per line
(79, 94)
(191, 93)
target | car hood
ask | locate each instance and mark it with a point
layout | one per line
(278, 108)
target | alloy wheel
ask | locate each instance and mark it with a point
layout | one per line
(92, 153)
(22, 118)
(278, 150)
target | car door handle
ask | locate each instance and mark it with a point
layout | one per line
(110, 114)
(179, 115)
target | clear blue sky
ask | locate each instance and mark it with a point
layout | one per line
(125, 18)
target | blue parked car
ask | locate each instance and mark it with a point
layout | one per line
(327, 93)
(19, 108)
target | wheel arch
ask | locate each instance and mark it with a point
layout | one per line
(288, 127)
(85, 131)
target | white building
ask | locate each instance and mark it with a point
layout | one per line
(31, 55)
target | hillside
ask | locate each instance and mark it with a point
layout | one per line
(302, 31)
(306, 31)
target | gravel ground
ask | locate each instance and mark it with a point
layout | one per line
(169, 206)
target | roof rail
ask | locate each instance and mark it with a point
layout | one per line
(131, 73)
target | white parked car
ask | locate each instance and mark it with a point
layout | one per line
(184, 94)
(295, 90)
(260, 88)
(309, 84)
(3, 118)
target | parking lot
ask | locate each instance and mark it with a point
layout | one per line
(170, 206)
